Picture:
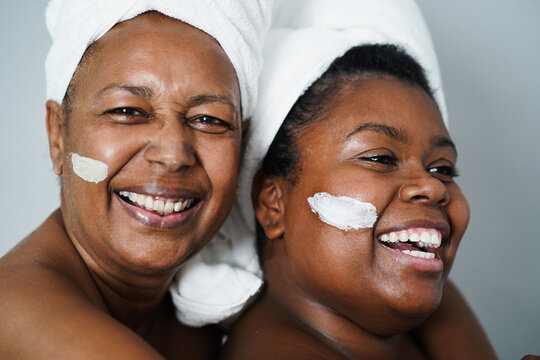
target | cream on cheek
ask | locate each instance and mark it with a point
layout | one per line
(89, 169)
(343, 212)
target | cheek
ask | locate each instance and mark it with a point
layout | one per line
(221, 160)
(112, 146)
(113, 149)
(458, 212)
(321, 254)
(332, 266)
(349, 183)
(366, 187)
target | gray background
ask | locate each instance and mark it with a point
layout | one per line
(489, 52)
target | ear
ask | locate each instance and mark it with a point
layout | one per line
(56, 132)
(268, 201)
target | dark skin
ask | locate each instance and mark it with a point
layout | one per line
(157, 101)
(454, 320)
(334, 294)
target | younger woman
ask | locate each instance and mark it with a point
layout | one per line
(359, 217)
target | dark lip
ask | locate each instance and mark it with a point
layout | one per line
(157, 191)
(442, 226)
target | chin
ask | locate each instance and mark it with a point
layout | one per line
(405, 311)
(416, 310)
(420, 310)
(154, 256)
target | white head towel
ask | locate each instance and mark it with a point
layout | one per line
(305, 37)
(238, 25)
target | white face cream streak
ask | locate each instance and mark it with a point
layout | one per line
(343, 212)
(89, 169)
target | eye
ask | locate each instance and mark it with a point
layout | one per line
(444, 172)
(209, 124)
(388, 160)
(128, 115)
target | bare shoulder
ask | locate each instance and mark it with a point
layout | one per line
(453, 331)
(49, 307)
(45, 265)
(266, 333)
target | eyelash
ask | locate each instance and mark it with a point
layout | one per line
(382, 159)
(205, 119)
(447, 171)
(128, 112)
(209, 124)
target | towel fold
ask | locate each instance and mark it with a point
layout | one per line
(217, 283)
(305, 37)
(238, 25)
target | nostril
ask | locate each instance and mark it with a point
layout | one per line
(443, 201)
(419, 197)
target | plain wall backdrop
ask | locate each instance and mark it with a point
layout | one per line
(489, 51)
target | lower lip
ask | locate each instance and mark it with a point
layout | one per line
(434, 265)
(151, 219)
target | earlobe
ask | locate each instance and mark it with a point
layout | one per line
(55, 132)
(268, 202)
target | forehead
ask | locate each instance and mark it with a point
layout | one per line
(161, 52)
(385, 101)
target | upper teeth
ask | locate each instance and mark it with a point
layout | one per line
(424, 237)
(160, 206)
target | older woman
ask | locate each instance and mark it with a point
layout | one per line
(144, 118)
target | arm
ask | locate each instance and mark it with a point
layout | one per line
(453, 331)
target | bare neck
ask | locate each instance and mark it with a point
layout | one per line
(136, 299)
(344, 336)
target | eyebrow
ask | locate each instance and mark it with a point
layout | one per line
(142, 91)
(438, 141)
(443, 141)
(212, 98)
(386, 130)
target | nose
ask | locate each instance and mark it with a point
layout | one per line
(425, 189)
(171, 147)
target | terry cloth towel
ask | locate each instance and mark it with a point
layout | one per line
(238, 25)
(305, 37)
(218, 282)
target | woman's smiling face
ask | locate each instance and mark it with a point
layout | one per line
(159, 103)
(383, 142)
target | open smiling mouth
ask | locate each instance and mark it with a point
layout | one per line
(157, 205)
(417, 242)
